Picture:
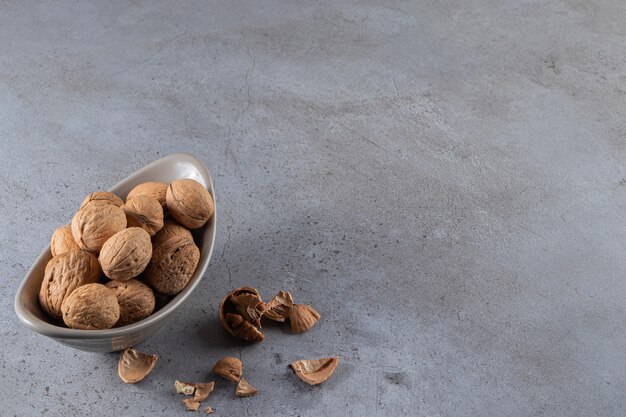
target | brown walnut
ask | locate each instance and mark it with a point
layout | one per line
(170, 229)
(91, 307)
(102, 197)
(145, 212)
(126, 254)
(62, 241)
(135, 298)
(189, 202)
(156, 190)
(96, 222)
(172, 265)
(63, 274)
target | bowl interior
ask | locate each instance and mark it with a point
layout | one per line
(163, 170)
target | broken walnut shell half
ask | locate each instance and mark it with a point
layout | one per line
(279, 308)
(134, 366)
(302, 317)
(229, 368)
(314, 371)
(244, 389)
(239, 315)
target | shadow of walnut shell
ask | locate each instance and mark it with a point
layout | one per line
(135, 298)
(95, 223)
(126, 254)
(63, 274)
(91, 307)
(189, 203)
(172, 266)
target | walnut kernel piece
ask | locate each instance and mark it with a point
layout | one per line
(102, 197)
(145, 212)
(63, 274)
(302, 317)
(91, 307)
(134, 366)
(136, 300)
(62, 241)
(229, 368)
(156, 190)
(244, 389)
(126, 254)
(315, 371)
(170, 229)
(279, 308)
(172, 265)
(95, 223)
(189, 202)
(186, 388)
(233, 313)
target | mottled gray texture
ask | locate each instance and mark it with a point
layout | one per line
(443, 181)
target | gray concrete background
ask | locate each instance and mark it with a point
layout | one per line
(443, 181)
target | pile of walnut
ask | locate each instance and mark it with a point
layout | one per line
(140, 245)
(242, 309)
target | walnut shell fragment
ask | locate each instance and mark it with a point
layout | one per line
(200, 392)
(169, 230)
(314, 371)
(156, 190)
(126, 254)
(136, 300)
(191, 404)
(134, 366)
(239, 313)
(95, 223)
(63, 274)
(209, 410)
(189, 202)
(172, 265)
(229, 368)
(145, 212)
(91, 307)
(102, 197)
(279, 308)
(62, 241)
(244, 389)
(302, 317)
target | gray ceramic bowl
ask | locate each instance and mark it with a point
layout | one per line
(27, 298)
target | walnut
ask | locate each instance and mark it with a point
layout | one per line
(302, 317)
(279, 308)
(229, 368)
(126, 254)
(244, 389)
(172, 266)
(135, 298)
(145, 212)
(93, 224)
(170, 229)
(156, 190)
(62, 241)
(63, 274)
(91, 307)
(134, 366)
(102, 197)
(315, 371)
(189, 202)
(240, 311)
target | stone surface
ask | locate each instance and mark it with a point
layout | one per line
(443, 181)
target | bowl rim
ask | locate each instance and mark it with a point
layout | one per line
(45, 328)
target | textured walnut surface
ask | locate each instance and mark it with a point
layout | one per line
(135, 298)
(145, 212)
(91, 307)
(93, 224)
(62, 241)
(172, 265)
(151, 189)
(126, 254)
(189, 203)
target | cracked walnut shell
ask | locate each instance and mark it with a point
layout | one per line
(239, 313)
(156, 190)
(189, 202)
(170, 229)
(315, 371)
(134, 366)
(172, 265)
(91, 307)
(135, 298)
(279, 308)
(244, 389)
(302, 317)
(63, 274)
(229, 368)
(62, 241)
(145, 212)
(96, 222)
(126, 254)
(102, 197)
